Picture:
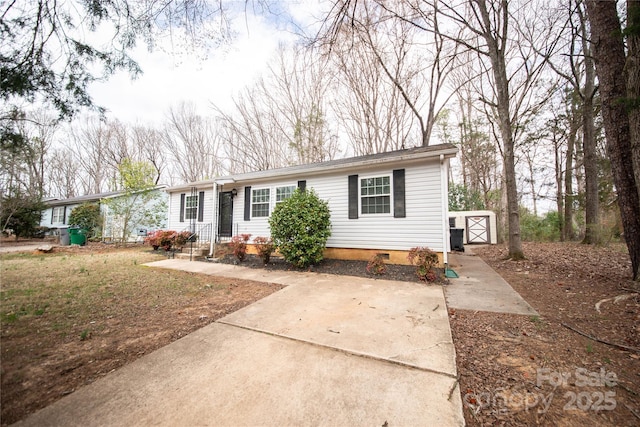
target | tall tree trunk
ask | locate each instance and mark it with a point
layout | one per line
(632, 69)
(557, 151)
(568, 179)
(499, 69)
(592, 202)
(532, 184)
(610, 63)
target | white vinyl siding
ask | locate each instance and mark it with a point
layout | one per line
(174, 209)
(423, 225)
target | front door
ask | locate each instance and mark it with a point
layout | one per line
(225, 214)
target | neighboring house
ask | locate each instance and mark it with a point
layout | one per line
(58, 210)
(387, 202)
(478, 226)
(57, 214)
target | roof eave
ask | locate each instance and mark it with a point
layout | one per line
(447, 151)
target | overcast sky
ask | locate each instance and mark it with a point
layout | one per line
(172, 74)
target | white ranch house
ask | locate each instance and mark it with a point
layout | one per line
(387, 202)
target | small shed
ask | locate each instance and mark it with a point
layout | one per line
(480, 227)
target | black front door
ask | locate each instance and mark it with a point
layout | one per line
(225, 214)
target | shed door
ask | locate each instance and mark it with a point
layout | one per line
(477, 229)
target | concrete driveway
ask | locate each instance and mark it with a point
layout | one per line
(326, 350)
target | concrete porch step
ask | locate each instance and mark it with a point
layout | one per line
(199, 255)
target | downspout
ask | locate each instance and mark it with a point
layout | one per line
(444, 185)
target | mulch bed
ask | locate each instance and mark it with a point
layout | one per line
(404, 273)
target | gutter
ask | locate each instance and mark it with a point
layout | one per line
(325, 167)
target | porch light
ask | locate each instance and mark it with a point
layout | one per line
(234, 192)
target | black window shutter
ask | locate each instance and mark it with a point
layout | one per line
(302, 185)
(247, 203)
(399, 210)
(52, 210)
(353, 196)
(182, 207)
(64, 215)
(201, 206)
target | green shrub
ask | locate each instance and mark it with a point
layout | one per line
(539, 229)
(86, 216)
(300, 227)
(264, 247)
(20, 215)
(425, 261)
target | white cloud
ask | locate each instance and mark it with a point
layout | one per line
(170, 77)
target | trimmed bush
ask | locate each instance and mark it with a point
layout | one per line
(425, 261)
(161, 239)
(376, 265)
(239, 245)
(264, 247)
(300, 227)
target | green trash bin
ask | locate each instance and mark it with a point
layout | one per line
(78, 236)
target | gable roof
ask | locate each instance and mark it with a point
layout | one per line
(401, 156)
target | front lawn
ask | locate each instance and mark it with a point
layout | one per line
(72, 316)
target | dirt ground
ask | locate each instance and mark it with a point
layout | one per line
(514, 370)
(535, 370)
(81, 333)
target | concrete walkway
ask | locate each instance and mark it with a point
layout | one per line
(326, 350)
(26, 247)
(480, 288)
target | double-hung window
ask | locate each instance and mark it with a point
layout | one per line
(191, 207)
(283, 193)
(375, 195)
(260, 202)
(57, 215)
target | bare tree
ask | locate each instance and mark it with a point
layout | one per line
(405, 41)
(282, 119)
(579, 71)
(248, 135)
(298, 84)
(192, 142)
(23, 167)
(368, 106)
(88, 144)
(149, 144)
(513, 41)
(63, 174)
(479, 155)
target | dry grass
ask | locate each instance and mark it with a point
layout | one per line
(71, 292)
(69, 318)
